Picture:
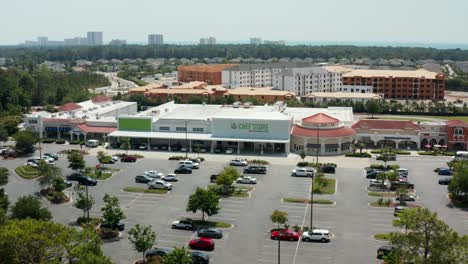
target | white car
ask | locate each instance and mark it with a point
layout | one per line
(189, 164)
(115, 159)
(229, 151)
(143, 146)
(159, 185)
(49, 160)
(32, 164)
(184, 149)
(321, 235)
(154, 174)
(170, 178)
(303, 172)
(238, 162)
(247, 180)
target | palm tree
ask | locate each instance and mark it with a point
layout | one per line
(125, 143)
(280, 218)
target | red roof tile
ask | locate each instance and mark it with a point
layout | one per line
(320, 118)
(456, 123)
(101, 98)
(95, 129)
(386, 124)
(337, 132)
(68, 107)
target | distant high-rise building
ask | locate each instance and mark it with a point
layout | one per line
(208, 41)
(118, 42)
(42, 41)
(95, 38)
(275, 42)
(155, 39)
(256, 41)
(77, 41)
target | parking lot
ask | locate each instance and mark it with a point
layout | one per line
(351, 220)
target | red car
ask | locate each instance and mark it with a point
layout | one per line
(128, 159)
(202, 243)
(285, 234)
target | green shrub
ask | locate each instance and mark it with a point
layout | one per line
(359, 155)
(176, 158)
(60, 141)
(27, 172)
(382, 167)
(48, 140)
(434, 153)
(106, 233)
(312, 164)
(258, 161)
(74, 142)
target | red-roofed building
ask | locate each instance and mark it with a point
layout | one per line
(456, 136)
(68, 107)
(388, 133)
(101, 99)
(322, 133)
(85, 131)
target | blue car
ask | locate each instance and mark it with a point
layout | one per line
(445, 171)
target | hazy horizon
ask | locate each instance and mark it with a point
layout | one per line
(426, 23)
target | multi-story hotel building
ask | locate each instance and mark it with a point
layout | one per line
(211, 74)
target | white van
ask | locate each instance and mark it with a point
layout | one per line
(461, 155)
(189, 164)
(92, 143)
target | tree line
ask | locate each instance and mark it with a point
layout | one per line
(20, 89)
(40, 54)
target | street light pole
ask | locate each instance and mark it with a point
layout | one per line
(311, 227)
(87, 204)
(186, 139)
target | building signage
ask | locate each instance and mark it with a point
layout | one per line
(397, 138)
(251, 127)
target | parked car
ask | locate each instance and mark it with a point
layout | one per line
(189, 164)
(402, 184)
(328, 169)
(119, 226)
(75, 176)
(115, 159)
(375, 182)
(406, 197)
(196, 160)
(200, 258)
(247, 180)
(32, 163)
(154, 174)
(398, 209)
(321, 235)
(68, 183)
(372, 174)
(157, 252)
(128, 159)
(218, 150)
(184, 149)
(285, 234)
(238, 162)
(92, 143)
(391, 157)
(303, 172)
(159, 185)
(183, 170)
(143, 146)
(445, 181)
(384, 251)
(87, 181)
(170, 178)
(214, 177)
(52, 155)
(256, 169)
(143, 179)
(210, 232)
(445, 171)
(202, 243)
(186, 224)
(229, 150)
(402, 172)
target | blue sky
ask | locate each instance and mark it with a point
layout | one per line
(422, 21)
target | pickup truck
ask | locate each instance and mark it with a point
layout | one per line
(303, 172)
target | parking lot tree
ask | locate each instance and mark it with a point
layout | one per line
(384, 176)
(279, 218)
(142, 238)
(58, 184)
(83, 202)
(178, 256)
(25, 141)
(427, 239)
(226, 179)
(125, 144)
(29, 207)
(100, 156)
(360, 146)
(303, 155)
(3, 133)
(400, 192)
(385, 159)
(48, 173)
(76, 161)
(111, 212)
(4, 202)
(458, 186)
(4, 173)
(35, 241)
(373, 107)
(204, 200)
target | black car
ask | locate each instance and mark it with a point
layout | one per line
(200, 258)
(142, 179)
(210, 232)
(119, 226)
(372, 174)
(75, 176)
(383, 251)
(445, 181)
(87, 181)
(328, 169)
(183, 170)
(255, 169)
(399, 209)
(157, 252)
(214, 177)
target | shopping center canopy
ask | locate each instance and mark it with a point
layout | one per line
(190, 136)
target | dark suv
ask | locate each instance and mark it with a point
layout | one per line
(75, 176)
(119, 226)
(87, 181)
(214, 177)
(372, 174)
(256, 169)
